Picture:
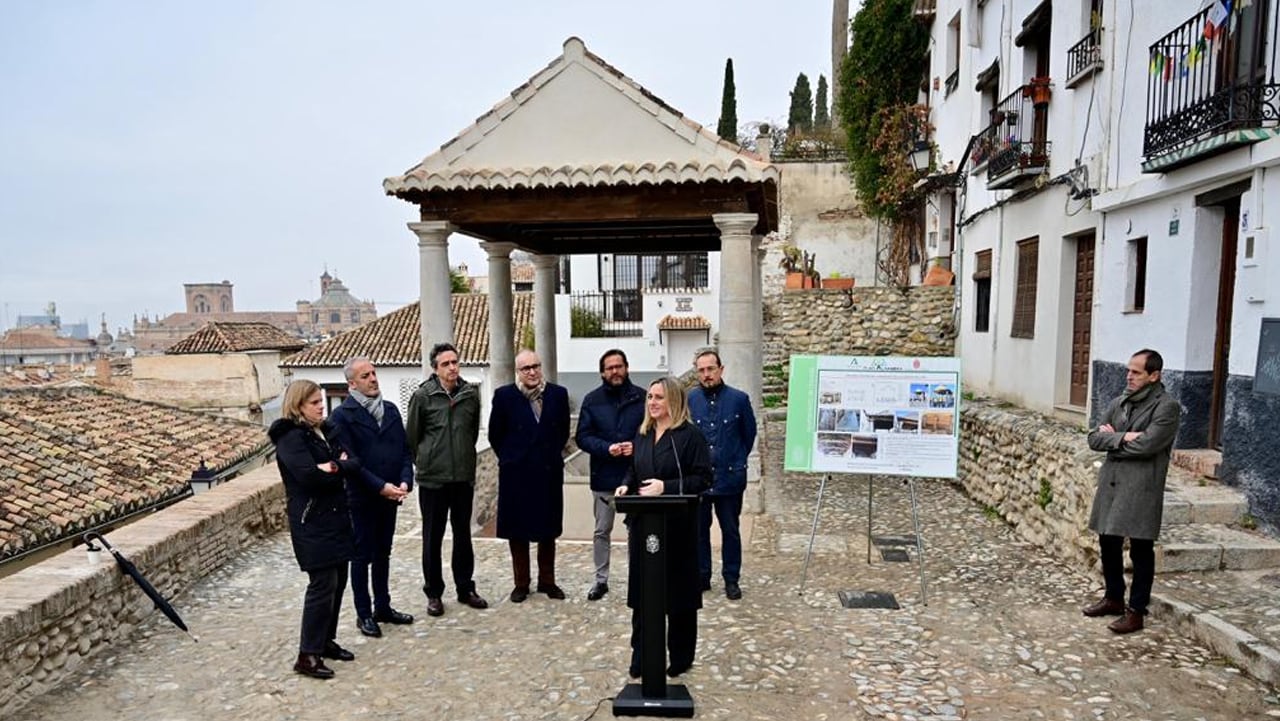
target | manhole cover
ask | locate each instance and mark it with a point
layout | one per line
(894, 555)
(867, 599)
(894, 540)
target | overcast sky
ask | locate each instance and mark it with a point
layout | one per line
(144, 145)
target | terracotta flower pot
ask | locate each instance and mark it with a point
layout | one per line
(837, 283)
(797, 280)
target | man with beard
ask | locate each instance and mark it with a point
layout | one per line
(371, 429)
(609, 419)
(724, 416)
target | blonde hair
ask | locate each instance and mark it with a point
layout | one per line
(677, 404)
(295, 397)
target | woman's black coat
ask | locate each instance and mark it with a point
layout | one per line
(659, 460)
(319, 520)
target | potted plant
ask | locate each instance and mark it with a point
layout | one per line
(836, 281)
(799, 267)
(1038, 90)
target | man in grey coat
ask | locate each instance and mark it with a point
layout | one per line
(1137, 434)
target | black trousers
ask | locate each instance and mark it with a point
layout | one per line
(321, 606)
(449, 504)
(375, 529)
(520, 563)
(1142, 554)
(682, 637)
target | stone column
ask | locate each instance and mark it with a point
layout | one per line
(754, 388)
(739, 329)
(502, 355)
(434, 287)
(544, 313)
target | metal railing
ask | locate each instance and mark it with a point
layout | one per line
(1085, 56)
(1206, 78)
(606, 314)
(1021, 122)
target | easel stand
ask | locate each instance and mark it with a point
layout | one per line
(653, 696)
(915, 521)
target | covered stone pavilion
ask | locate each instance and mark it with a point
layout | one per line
(582, 159)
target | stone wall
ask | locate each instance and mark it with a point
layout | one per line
(56, 615)
(1036, 472)
(916, 321)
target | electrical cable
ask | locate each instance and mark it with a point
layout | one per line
(597, 708)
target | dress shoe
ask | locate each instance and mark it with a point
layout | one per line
(435, 607)
(676, 669)
(337, 653)
(1128, 623)
(393, 616)
(310, 664)
(597, 591)
(473, 600)
(1105, 607)
(732, 591)
(369, 627)
(519, 594)
(552, 591)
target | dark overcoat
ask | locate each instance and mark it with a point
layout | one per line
(1130, 497)
(609, 414)
(681, 459)
(382, 450)
(530, 452)
(316, 500)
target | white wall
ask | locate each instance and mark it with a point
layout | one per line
(820, 212)
(1258, 277)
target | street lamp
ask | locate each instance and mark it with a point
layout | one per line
(920, 155)
(202, 479)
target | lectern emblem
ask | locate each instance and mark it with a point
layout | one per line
(651, 543)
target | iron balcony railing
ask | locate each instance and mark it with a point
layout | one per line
(1084, 57)
(1209, 77)
(606, 314)
(983, 147)
(1021, 146)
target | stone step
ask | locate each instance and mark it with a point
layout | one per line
(1190, 501)
(1199, 461)
(1214, 547)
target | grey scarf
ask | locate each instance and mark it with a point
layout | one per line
(535, 397)
(373, 404)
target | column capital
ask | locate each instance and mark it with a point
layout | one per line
(497, 249)
(432, 232)
(545, 261)
(735, 223)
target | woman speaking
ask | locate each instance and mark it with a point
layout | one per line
(670, 457)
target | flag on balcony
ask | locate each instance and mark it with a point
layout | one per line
(1216, 22)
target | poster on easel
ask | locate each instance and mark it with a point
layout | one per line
(881, 415)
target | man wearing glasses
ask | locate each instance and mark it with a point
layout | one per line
(528, 429)
(443, 425)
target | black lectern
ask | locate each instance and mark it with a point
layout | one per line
(652, 696)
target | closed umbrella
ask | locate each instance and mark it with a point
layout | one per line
(127, 568)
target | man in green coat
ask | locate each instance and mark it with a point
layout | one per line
(442, 427)
(1137, 434)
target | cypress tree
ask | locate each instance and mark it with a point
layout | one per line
(821, 116)
(800, 118)
(727, 128)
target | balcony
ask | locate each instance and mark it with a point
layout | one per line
(606, 314)
(1208, 88)
(1017, 147)
(1084, 58)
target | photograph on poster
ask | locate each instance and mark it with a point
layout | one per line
(919, 397)
(943, 396)
(906, 422)
(938, 423)
(834, 444)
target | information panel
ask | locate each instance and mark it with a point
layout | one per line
(873, 414)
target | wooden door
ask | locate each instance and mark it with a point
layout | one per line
(1082, 321)
(1222, 335)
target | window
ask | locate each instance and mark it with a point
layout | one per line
(1136, 285)
(1024, 299)
(660, 271)
(355, 316)
(953, 53)
(226, 304)
(982, 292)
(335, 317)
(201, 304)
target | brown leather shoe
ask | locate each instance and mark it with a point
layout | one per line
(435, 607)
(310, 664)
(1105, 607)
(519, 594)
(473, 600)
(552, 591)
(1130, 622)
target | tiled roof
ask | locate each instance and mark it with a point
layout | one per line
(19, 339)
(395, 339)
(224, 337)
(683, 322)
(37, 376)
(76, 458)
(583, 175)
(522, 272)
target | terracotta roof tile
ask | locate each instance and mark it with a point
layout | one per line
(395, 339)
(683, 322)
(18, 339)
(76, 458)
(225, 337)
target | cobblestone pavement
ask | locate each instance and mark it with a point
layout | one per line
(1001, 638)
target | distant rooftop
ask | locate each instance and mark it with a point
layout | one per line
(229, 337)
(395, 339)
